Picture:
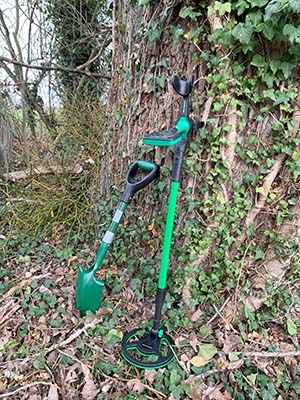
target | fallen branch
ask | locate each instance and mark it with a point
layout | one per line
(19, 175)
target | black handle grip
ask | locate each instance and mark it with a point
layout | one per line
(133, 185)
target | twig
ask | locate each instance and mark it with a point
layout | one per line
(268, 354)
(204, 375)
(178, 362)
(155, 391)
(151, 389)
(29, 385)
(5, 318)
(74, 336)
(216, 314)
(22, 284)
(225, 320)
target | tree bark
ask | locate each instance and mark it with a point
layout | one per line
(6, 137)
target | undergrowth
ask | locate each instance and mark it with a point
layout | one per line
(58, 193)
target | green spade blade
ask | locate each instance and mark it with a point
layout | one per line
(88, 291)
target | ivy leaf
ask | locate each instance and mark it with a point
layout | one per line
(252, 378)
(273, 8)
(222, 8)
(175, 378)
(291, 327)
(295, 6)
(287, 69)
(242, 33)
(258, 61)
(207, 351)
(144, 2)
(161, 81)
(154, 32)
(268, 31)
(233, 356)
(259, 255)
(259, 3)
(189, 12)
(292, 33)
(176, 32)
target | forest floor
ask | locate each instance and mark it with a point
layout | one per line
(47, 351)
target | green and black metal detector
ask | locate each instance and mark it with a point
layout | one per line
(88, 289)
(153, 349)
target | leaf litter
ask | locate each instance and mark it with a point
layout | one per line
(48, 352)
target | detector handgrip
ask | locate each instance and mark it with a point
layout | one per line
(132, 184)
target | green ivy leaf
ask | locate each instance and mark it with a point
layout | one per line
(291, 327)
(176, 32)
(144, 2)
(258, 61)
(252, 378)
(207, 351)
(295, 5)
(222, 8)
(242, 33)
(154, 33)
(273, 8)
(268, 31)
(259, 255)
(292, 33)
(161, 81)
(175, 377)
(259, 3)
(189, 12)
(286, 69)
(233, 356)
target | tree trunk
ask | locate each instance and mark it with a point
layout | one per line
(239, 180)
(141, 99)
(6, 137)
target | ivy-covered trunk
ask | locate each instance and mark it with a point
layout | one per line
(238, 222)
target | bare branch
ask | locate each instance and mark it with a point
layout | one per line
(56, 67)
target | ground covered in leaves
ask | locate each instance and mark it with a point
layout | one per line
(47, 351)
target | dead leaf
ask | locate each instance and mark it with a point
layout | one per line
(196, 315)
(199, 361)
(253, 303)
(106, 388)
(255, 335)
(135, 385)
(150, 375)
(235, 364)
(153, 230)
(72, 375)
(5, 338)
(194, 342)
(186, 293)
(3, 385)
(217, 395)
(53, 393)
(89, 390)
(231, 343)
